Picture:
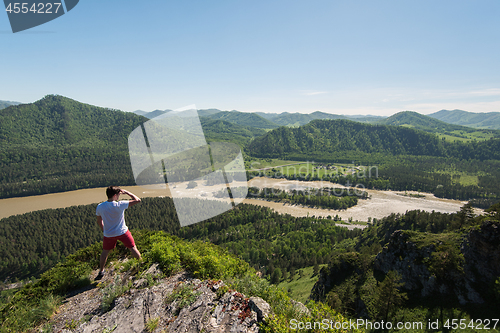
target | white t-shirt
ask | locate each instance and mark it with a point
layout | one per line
(113, 217)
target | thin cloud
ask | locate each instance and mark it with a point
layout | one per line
(486, 92)
(313, 93)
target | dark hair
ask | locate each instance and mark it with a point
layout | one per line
(112, 190)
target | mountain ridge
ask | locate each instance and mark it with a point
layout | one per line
(57, 120)
(488, 120)
(320, 139)
(57, 144)
(328, 136)
(5, 104)
(433, 125)
(243, 118)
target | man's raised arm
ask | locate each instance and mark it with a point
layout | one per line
(135, 198)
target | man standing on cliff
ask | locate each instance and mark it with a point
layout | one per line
(111, 220)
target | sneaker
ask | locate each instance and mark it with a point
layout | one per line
(99, 276)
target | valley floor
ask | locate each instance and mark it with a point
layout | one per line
(380, 204)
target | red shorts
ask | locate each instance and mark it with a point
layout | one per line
(109, 243)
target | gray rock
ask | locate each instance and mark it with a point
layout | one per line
(260, 306)
(300, 308)
(133, 310)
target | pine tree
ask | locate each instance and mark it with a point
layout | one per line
(389, 295)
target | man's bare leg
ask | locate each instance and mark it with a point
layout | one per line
(135, 252)
(104, 257)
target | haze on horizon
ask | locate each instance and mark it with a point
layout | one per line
(341, 57)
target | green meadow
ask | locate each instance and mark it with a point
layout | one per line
(300, 285)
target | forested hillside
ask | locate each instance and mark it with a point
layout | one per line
(57, 144)
(265, 239)
(418, 266)
(58, 121)
(221, 130)
(412, 257)
(321, 139)
(419, 121)
(324, 137)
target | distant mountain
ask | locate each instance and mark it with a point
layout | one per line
(291, 119)
(419, 121)
(207, 112)
(321, 138)
(57, 120)
(433, 125)
(242, 118)
(140, 112)
(57, 144)
(324, 115)
(4, 104)
(327, 140)
(253, 119)
(299, 119)
(222, 130)
(266, 115)
(366, 118)
(156, 113)
(490, 120)
(152, 114)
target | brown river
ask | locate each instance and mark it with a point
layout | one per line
(380, 203)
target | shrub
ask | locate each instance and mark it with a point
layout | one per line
(184, 295)
(113, 291)
(152, 324)
(164, 252)
(203, 260)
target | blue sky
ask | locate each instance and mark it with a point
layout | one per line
(347, 57)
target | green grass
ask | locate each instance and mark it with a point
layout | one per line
(476, 135)
(423, 239)
(152, 324)
(261, 163)
(184, 294)
(466, 180)
(451, 138)
(462, 178)
(300, 287)
(6, 295)
(303, 169)
(463, 136)
(290, 168)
